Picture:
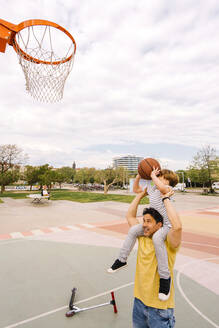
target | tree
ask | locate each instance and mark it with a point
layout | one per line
(48, 178)
(68, 173)
(194, 176)
(109, 177)
(85, 175)
(205, 161)
(43, 175)
(60, 177)
(9, 177)
(31, 175)
(11, 157)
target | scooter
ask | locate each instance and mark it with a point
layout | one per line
(74, 309)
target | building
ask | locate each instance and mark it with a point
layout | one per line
(130, 162)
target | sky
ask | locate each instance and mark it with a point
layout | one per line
(145, 82)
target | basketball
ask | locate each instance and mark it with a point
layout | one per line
(145, 167)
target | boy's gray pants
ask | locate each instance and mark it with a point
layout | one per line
(160, 249)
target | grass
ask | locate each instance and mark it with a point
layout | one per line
(88, 197)
(81, 197)
(16, 195)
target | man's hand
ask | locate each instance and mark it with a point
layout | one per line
(136, 187)
(169, 193)
(143, 193)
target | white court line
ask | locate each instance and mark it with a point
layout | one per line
(66, 306)
(214, 210)
(55, 229)
(180, 271)
(199, 244)
(87, 225)
(72, 227)
(37, 232)
(123, 286)
(16, 235)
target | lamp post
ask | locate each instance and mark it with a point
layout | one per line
(183, 189)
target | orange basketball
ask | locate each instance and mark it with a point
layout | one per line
(145, 167)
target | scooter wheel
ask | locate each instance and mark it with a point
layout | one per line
(69, 314)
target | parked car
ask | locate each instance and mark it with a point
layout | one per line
(215, 185)
(180, 186)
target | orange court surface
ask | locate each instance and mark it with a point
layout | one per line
(49, 248)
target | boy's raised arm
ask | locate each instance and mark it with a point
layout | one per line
(159, 184)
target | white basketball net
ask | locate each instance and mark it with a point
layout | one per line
(45, 82)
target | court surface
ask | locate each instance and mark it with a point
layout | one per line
(47, 249)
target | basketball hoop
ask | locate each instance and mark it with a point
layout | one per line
(46, 54)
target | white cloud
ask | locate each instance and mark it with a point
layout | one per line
(144, 72)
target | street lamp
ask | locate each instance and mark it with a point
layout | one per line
(183, 179)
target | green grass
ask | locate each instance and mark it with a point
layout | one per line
(16, 195)
(88, 197)
(81, 197)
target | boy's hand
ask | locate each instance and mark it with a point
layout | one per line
(155, 172)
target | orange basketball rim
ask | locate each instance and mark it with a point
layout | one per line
(46, 52)
(8, 32)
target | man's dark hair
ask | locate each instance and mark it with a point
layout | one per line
(154, 213)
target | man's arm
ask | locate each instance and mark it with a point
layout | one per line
(132, 211)
(136, 187)
(175, 233)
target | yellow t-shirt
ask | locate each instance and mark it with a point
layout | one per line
(147, 277)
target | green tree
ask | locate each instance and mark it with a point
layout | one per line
(68, 173)
(109, 177)
(9, 177)
(215, 169)
(60, 177)
(48, 178)
(194, 175)
(31, 175)
(205, 160)
(11, 157)
(84, 175)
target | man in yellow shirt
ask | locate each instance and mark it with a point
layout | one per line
(148, 310)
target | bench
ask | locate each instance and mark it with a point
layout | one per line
(37, 198)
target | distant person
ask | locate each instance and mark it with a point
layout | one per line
(44, 191)
(161, 183)
(148, 310)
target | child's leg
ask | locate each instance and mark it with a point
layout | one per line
(162, 261)
(127, 247)
(161, 253)
(134, 232)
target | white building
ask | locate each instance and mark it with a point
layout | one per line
(130, 162)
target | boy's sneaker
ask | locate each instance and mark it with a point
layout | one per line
(116, 266)
(164, 290)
